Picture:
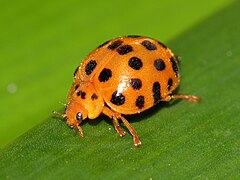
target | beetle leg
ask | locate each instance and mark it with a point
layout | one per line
(136, 140)
(182, 96)
(116, 125)
(80, 130)
(115, 116)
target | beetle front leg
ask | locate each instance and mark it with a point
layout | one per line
(80, 130)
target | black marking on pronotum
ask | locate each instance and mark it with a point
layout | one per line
(148, 45)
(135, 63)
(136, 83)
(82, 94)
(122, 50)
(105, 75)
(174, 65)
(140, 102)
(90, 67)
(156, 90)
(159, 64)
(94, 96)
(115, 44)
(118, 98)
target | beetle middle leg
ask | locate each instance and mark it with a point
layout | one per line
(116, 125)
(115, 116)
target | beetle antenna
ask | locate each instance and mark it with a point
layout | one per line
(63, 104)
(62, 115)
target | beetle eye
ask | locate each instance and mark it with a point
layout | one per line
(79, 116)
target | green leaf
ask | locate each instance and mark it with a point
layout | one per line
(180, 140)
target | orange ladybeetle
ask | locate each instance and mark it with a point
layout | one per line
(126, 75)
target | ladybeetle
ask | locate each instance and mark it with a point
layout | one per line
(126, 75)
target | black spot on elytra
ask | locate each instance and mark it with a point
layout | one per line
(76, 87)
(122, 50)
(94, 96)
(140, 102)
(82, 94)
(159, 64)
(136, 83)
(170, 83)
(133, 36)
(75, 72)
(156, 90)
(135, 63)
(105, 75)
(148, 45)
(90, 67)
(163, 45)
(118, 98)
(174, 65)
(115, 44)
(103, 44)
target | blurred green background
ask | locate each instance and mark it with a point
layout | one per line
(42, 42)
